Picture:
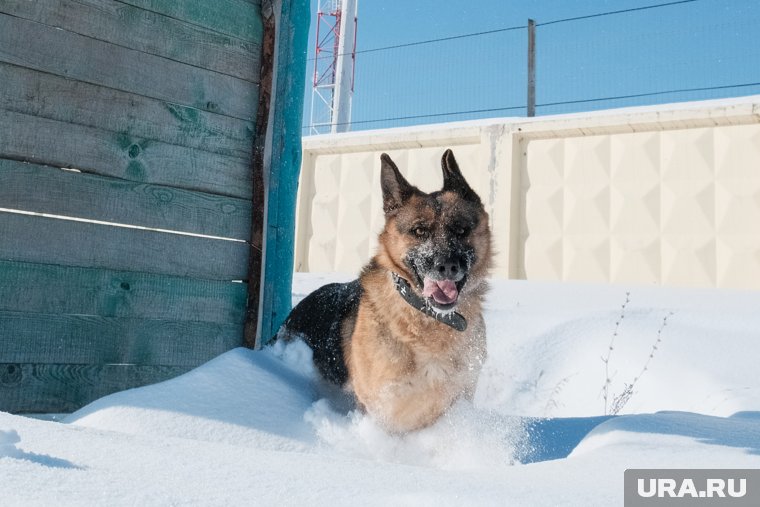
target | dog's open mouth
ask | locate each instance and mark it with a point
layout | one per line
(442, 293)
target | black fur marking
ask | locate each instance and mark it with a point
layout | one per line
(318, 320)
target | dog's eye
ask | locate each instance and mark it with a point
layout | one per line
(420, 232)
(460, 231)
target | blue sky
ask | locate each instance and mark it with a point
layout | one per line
(700, 44)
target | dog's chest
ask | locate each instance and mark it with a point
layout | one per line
(434, 371)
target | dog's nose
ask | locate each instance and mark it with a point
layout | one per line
(448, 269)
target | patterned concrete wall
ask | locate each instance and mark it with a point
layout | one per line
(677, 207)
(649, 196)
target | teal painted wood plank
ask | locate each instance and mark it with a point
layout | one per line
(90, 339)
(131, 158)
(147, 31)
(64, 388)
(68, 243)
(74, 56)
(30, 187)
(239, 18)
(44, 288)
(126, 115)
(285, 165)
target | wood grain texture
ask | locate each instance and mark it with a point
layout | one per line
(44, 288)
(64, 388)
(238, 18)
(149, 32)
(124, 156)
(91, 339)
(125, 114)
(285, 163)
(62, 242)
(154, 101)
(40, 47)
(31, 187)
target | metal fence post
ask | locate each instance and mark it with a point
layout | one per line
(531, 67)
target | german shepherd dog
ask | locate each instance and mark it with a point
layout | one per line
(408, 336)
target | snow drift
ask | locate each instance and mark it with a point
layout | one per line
(261, 428)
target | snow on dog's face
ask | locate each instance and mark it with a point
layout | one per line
(439, 241)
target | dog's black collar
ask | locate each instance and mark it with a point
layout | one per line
(452, 319)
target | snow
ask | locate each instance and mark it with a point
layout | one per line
(259, 428)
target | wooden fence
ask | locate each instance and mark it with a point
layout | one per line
(126, 148)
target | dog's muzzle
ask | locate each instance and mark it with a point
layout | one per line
(442, 283)
(450, 318)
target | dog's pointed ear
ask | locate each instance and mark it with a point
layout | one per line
(453, 181)
(396, 190)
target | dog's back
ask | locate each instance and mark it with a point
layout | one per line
(322, 319)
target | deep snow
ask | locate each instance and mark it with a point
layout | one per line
(258, 428)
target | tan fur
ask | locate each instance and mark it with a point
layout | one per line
(405, 367)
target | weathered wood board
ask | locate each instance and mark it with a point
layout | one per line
(151, 32)
(63, 388)
(45, 48)
(31, 187)
(125, 114)
(91, 339)
(44, 240)
(65, 290)
(238, 18)
(128, 157)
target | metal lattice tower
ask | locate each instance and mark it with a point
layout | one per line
(334, 63)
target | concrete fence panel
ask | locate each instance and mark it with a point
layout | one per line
(657, 195)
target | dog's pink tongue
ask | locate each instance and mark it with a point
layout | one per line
(443, 291)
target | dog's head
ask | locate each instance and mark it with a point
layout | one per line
(440, 242)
